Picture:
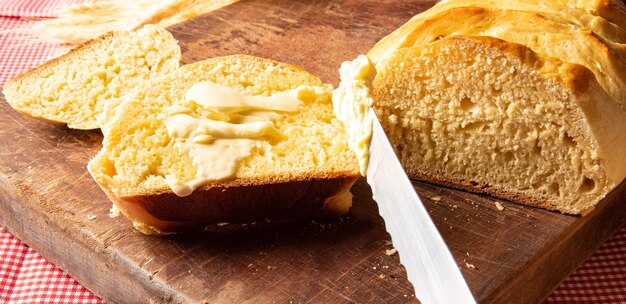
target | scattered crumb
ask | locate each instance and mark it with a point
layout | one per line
(374, 267)
(382, 276)
(114, 212)
(385, 267)
(391, 251)
(222, 224)
(250, 265)
(436, 198)
(91, 217)
(499, 206)
(30, 167)
(468, 265)
(271, 267)
(405, 296)
(467, 253)
(455, 206)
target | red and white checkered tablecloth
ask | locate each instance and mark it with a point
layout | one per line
(27, 277)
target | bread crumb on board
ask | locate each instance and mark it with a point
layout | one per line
(499, 206)
(391, 251)
(436, 198)
(114, 212)
(468, 265)
(91, 217)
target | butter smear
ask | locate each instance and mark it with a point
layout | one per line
(352, 102)
(219, 126)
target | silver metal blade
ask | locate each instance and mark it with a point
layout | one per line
(429, 264)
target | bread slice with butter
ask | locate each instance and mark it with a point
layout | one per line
(72, 89)
(230, 139)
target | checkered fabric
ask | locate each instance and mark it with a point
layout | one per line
(601, 279)
(20, 48)
(32, 8)
(27, 277)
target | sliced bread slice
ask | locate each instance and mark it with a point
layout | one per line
(72, 89)
(304, 167)
(490, 116)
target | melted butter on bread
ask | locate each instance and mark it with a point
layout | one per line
(219, 126)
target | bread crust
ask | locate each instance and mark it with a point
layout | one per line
(235, 201)
(553, 38)
(486, 188)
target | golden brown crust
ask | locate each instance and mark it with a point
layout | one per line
(486, 188)
(548, 37)
(238, 201)
(612, 10)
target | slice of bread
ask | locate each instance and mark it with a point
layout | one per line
(310, 170)
(72, 89)
(490, 116)
(548, 37)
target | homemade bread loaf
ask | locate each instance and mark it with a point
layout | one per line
(544, 35)
(523, 100)
(73, 88)
(490, 116)
(306, 167)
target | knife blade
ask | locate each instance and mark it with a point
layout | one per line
(429, 264)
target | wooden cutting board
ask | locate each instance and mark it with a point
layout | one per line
(48, 199)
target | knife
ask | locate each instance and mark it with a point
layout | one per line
(429, 264)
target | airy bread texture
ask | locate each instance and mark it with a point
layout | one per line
(72, 89)
(523, 100)
(490, 116)
(309, 171)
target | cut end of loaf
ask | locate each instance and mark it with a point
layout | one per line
(138, 153)
(72, 89)
(490, 116)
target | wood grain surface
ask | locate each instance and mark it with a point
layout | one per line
(47, 198)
